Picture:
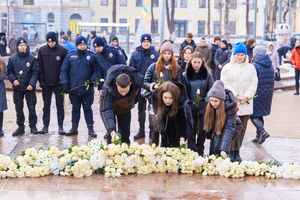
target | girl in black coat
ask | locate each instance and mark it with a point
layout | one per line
(197, 78)
(221, 121)
(173, 115)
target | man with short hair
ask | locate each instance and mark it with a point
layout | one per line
(214, 48)
(69, 34)
(68, 45)
(50, 59)
(119, 95)
(62, 33)
(222, 57)
(205, 51)
(188, 41)
(251, 42)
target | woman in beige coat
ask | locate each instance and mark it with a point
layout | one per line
(240, 77)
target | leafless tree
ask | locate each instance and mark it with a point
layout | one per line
(114, 13)
(170, 20)
(208, 18)
(152, 19)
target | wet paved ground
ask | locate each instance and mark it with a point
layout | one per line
(283, 145)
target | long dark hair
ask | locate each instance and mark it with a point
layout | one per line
(209, 118)
(197, 54)
(1, 66)
(175, 92)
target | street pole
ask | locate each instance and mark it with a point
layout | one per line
(290, 13)
(280, 10)
(220, 18)
(265, 19)
(255, 19)
(162, 22)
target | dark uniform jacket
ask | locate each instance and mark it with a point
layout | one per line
(222, 56)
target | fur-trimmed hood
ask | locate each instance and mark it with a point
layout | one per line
(192, 75)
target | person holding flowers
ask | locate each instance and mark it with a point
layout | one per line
(79, 68)
(23, 73)
(198, 82)
(3, 102)
(173, 115)
(240, 77)
(165, 69)
(221, 123)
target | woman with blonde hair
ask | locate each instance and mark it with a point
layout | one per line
(3, 103)
(221, 122)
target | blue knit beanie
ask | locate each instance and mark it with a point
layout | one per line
(98, 41)
(80, 40)
(240, 48)
(146, 37)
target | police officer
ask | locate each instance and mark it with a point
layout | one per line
(23, 74)
(80, 65)
(119, 95)
(50, 59)
(107, 56)
(141, 59)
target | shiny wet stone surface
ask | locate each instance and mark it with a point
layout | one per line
(283, 145)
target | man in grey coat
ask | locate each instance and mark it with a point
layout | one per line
(205, 51)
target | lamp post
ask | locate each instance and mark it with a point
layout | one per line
(255, 18)
(162, 22)
(220, 18)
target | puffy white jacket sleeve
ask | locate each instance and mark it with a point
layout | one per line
(250, 92)
(225, 79)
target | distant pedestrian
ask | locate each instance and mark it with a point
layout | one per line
(93, 35)
(185, 57)
(271, 51)
(250, 46)
(214, 47)
(205, 51)
(36, 36)
(3, 101)
(188, 41)
(12, 44)
(222, 57)
(229, 46)
(115, 43)
(56, 35)
(62, 33)
(68, 45)
(282, 51)
(69, 34)
(3, 44)
(295, 59)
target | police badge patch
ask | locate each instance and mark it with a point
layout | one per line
(22, 41)
(57, 58)
(27, 64)
(49, 39)
(82, 41)
(95, 45)
(111, 55)
(120, 52)
(88, 57)
(152, 56)
(146, 38)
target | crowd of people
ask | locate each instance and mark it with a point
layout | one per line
(208, 93)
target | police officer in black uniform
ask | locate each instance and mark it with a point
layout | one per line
(50, 59)
(23, 74)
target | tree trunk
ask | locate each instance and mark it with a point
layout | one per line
(247, 18)
(227, 3)
(208, 18)
(274, 21)
(152, 20)
(170, 20)
(114, 14)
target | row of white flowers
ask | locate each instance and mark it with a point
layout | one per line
(116, 159)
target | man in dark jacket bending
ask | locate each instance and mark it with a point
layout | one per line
(119, 95)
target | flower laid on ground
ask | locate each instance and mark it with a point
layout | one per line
(115, 160)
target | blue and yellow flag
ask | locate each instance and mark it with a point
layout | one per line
(145, 12)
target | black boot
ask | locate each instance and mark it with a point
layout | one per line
(91, 130)
(263, 137)
(19, 131)
(73, 130)
(260, 129)
(256, 139)
(296, 93)
(237, 156)
(150, 135)
(231, 155)
(61, 130)
(139, 135)
(34, 130)
(106, 135)
(44, 130)
(1, 132)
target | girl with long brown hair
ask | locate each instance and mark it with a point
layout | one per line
(174, 117)
(3, 103)
(221, 123)
(197, 78)
(165, 66)
(185, 57)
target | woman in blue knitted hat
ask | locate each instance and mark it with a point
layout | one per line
(240, 77)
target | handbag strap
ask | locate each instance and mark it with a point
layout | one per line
(145, 63)
(106, 59)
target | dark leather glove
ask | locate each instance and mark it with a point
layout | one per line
(43, 85)
(65, 88)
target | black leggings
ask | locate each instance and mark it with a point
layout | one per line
(1, 120)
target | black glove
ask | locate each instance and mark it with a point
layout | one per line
(193, 107)
(43, 85)
(65, 88)
(91, 84)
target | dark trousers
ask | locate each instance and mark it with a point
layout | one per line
(213, 71)
(123, 127)
(237, 143)
(142, 106)
(297, 71)
(199, 145)
(1, 120)
(47, 96)
(280, 59)
(86, 101)
(30, 97)
(217, 74)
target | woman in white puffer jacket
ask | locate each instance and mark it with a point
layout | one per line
(240, 77)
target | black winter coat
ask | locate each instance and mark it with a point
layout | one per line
(213, 49)
(28, 64)
(111, 102)
(194, 81)
(222, 56)
(184, 44)
(282, 51)
(231, 129)
(50, 61)
(3, 48)
(175, 127)
(249, 52)
(181, 64)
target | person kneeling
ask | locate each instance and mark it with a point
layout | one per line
(221, 121)
(173, 115)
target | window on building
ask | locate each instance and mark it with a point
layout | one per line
(122, 29)
(104, 2)
(251, 4)
(201, 3)
(183, 3)
(155, 3)
(155, 26)
(216, 28)
(138, 3)
(50, 18)
(201, 27)
(217, 4)
(28, 2)
(232, 27)
(136, 24)
(251, 25)
(232, 4)
(123, 2)
(104, 28)
(171, 3)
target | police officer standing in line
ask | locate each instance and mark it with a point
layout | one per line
(50, 59)
(106, 57)
(80, 65)
(23, 74)
(141, 59)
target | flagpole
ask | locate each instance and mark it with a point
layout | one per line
(162, 22)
